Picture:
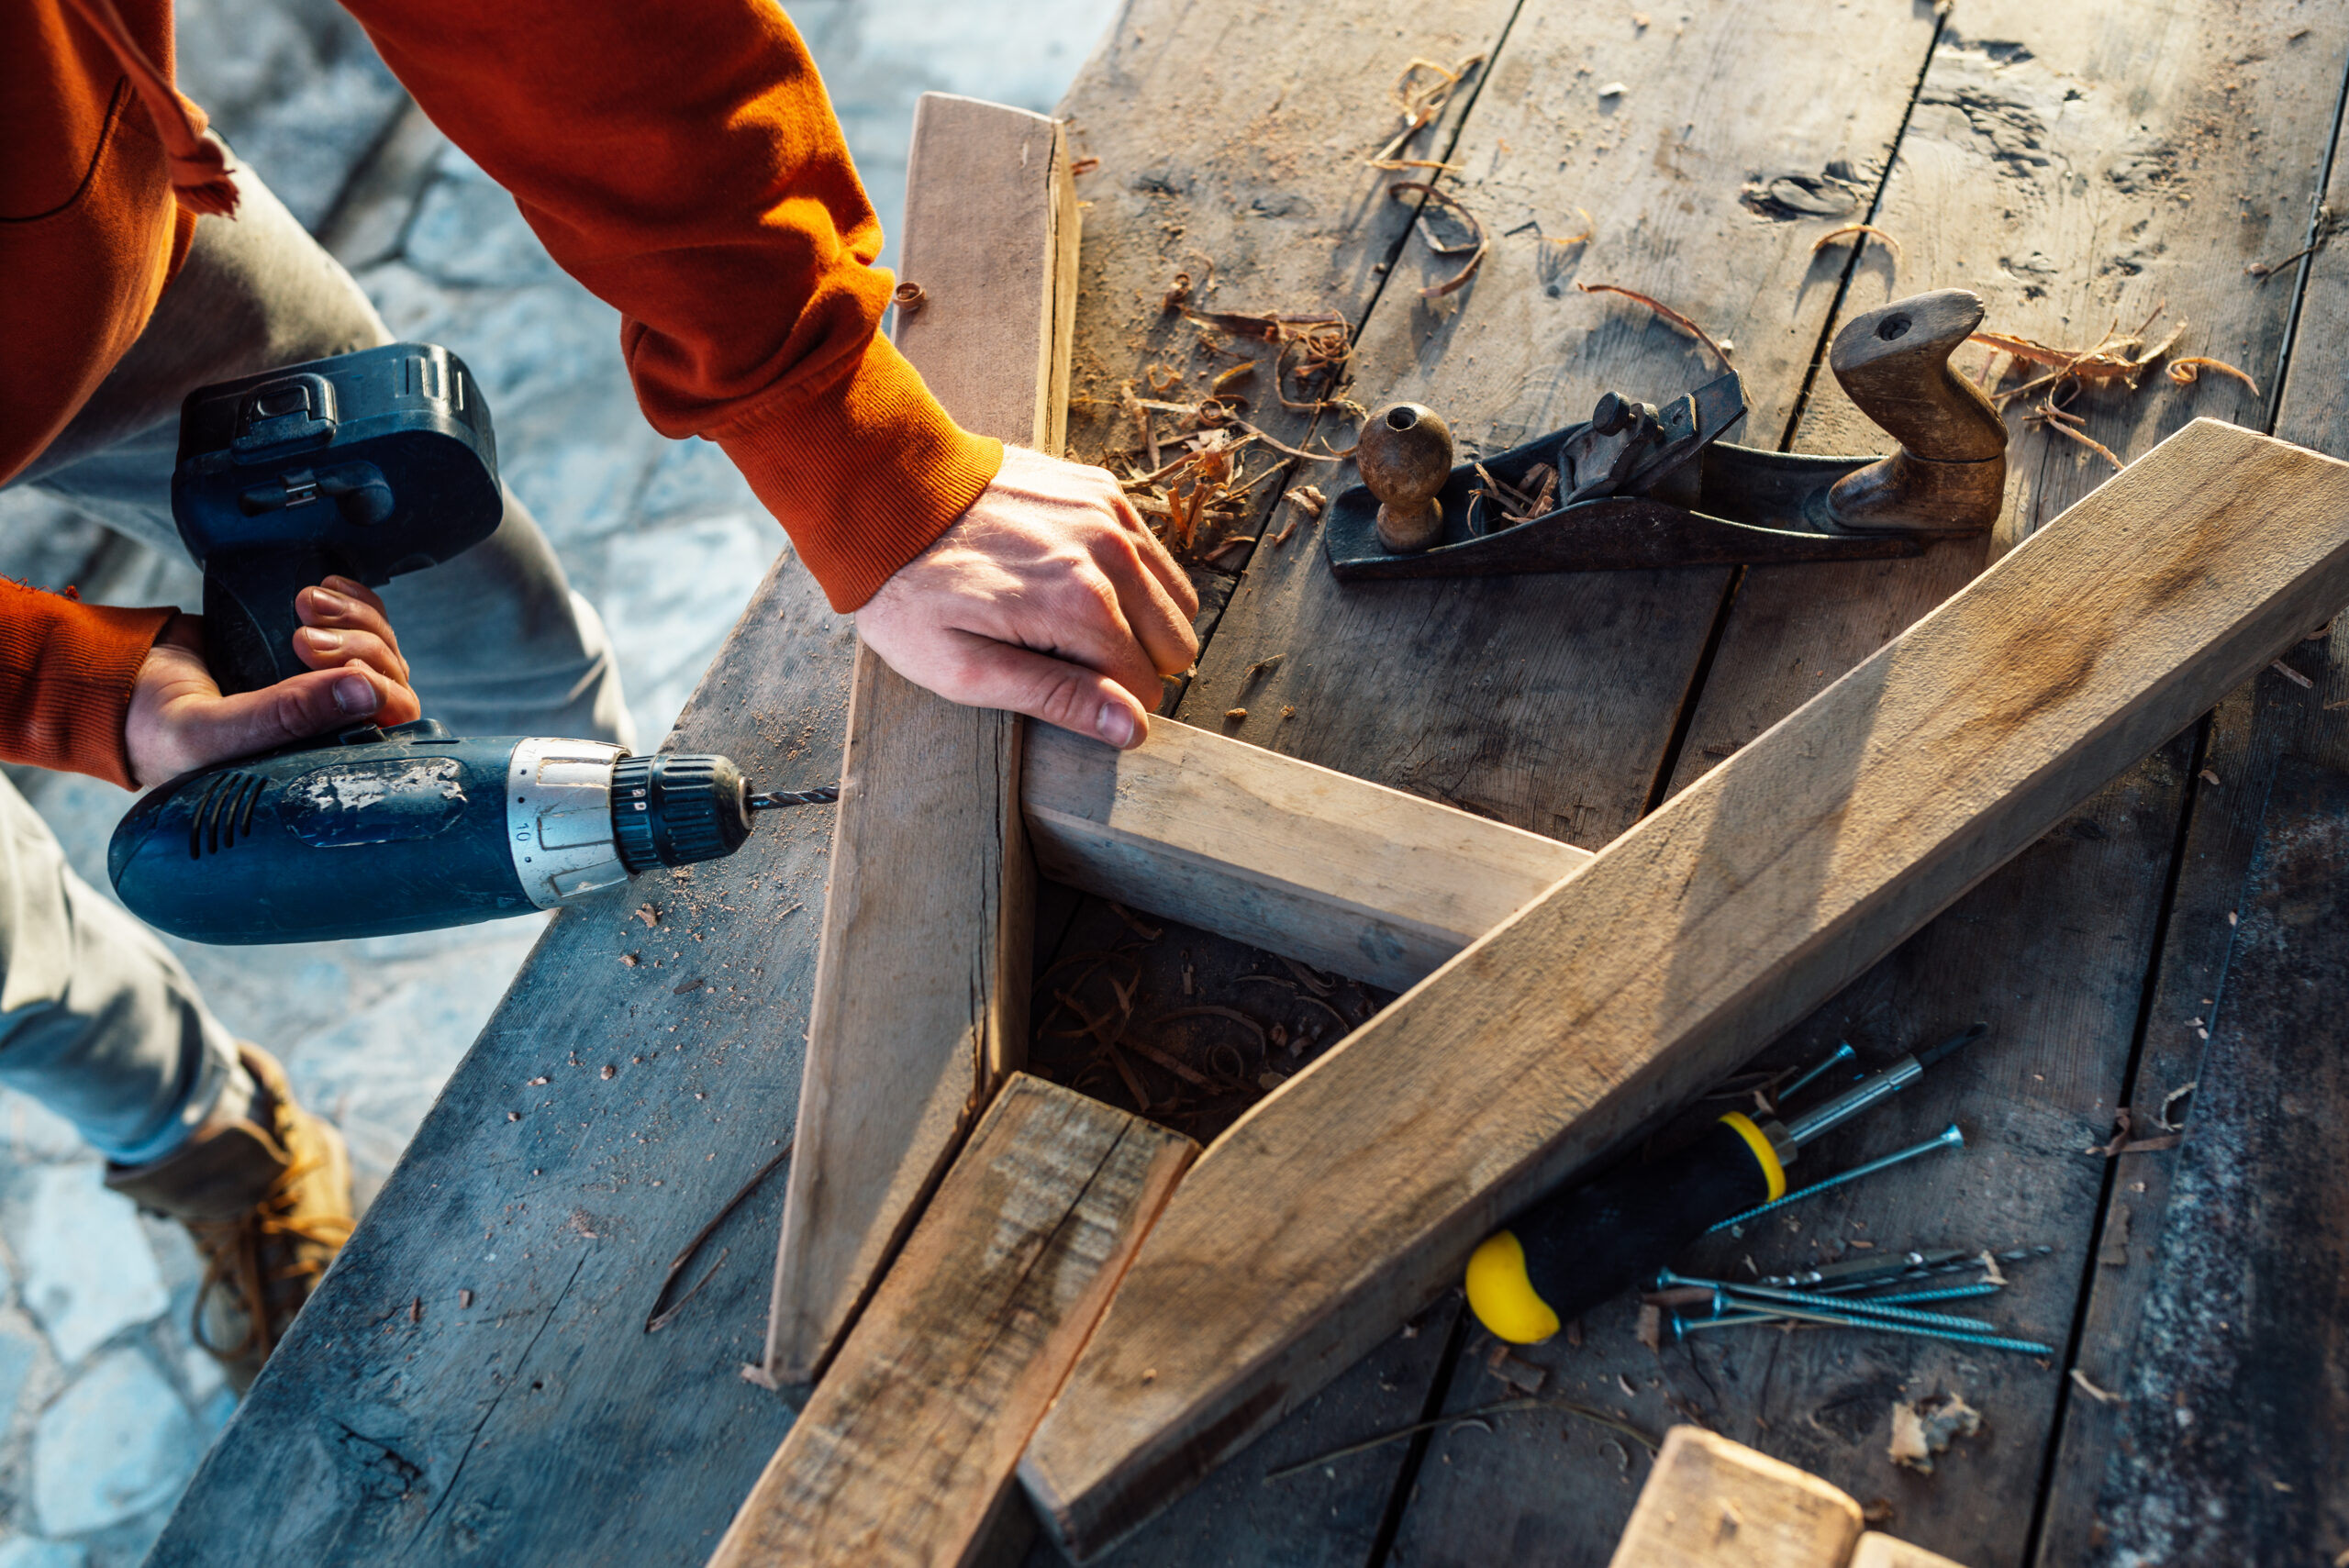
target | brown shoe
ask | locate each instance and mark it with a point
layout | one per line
(268, 1200)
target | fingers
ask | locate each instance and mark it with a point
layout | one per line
(1153, 617)
(1083, 701)
(1158, 559)
(341, 620)
(205, 730)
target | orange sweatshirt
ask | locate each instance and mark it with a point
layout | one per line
(680, 161)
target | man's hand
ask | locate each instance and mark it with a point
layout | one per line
(1048, 597)
(179, 721)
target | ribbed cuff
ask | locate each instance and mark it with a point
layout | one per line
(67, 670)
(863, 473)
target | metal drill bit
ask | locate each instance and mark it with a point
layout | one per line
(822, 796)
(1949, 1139)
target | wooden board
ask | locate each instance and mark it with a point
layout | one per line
(1877, 1549)
(1260, 847)
(2232, 1406)
(2053, 949)
(903, 1456)
(1687, 944)
(1550, 702)
(921, 986)
(2253, 736)
(541, 1419)
(1712, 1503)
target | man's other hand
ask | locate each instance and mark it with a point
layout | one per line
(179, 721)
(1048, 597)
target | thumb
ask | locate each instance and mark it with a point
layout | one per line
(1069, 697)
(276, 716)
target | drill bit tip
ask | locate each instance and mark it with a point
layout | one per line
(775, 799)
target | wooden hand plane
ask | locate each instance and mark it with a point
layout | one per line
(1638, 486)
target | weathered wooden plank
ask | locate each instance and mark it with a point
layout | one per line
(1261, 848)
(1549, 702)
(2073, 177)
(1253, 163)
(1711, 1503)
(921, 986)
(2231, 1408)
(903, 1456)
(397, 1420)
(1877, 1549)
(2016, 164)
(1684, 946)
(2251, 735)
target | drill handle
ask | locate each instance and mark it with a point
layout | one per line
(248, 615)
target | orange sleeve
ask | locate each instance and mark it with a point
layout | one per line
(681, 161)
(66, 670)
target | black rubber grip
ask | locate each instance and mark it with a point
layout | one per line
(1587, 1242)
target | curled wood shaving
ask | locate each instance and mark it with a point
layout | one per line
(1211, 1010)
(1084, 166)
(2188, 370)
(1663, 310)
(1863, 230)
(1171, 1063)
(1420, 103)
(1305, 501)
(1473, 247)
(908, 298)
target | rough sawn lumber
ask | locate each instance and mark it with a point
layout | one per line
(1356, 1192)
(1711, 1503)
(1376, 884)
(921, 982)
(905, 1452)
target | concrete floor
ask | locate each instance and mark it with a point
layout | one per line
(107, 1406)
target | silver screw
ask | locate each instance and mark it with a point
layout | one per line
(1946, 1293)
(1843, 1052)
(1951, 1138)
(1788, 1300)
(1989, 1341)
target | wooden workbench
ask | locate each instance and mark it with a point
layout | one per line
(478, 1376)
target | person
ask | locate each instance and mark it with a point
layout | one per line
(685, 166)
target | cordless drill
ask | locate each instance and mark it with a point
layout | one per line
(368, 465)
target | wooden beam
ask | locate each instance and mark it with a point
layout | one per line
(921, 1001)
(1356, 1192)
(903, 1456)
(1880, 1551)
(1376, 884)
(1711, 1503)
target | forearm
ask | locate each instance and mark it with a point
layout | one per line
(684, 164)
(67, 670)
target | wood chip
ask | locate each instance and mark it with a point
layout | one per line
(2101, 1395)
(2292, 675)
(1927, 1427)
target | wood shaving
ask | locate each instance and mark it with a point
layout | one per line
(1147, 933)
(2292, 675)
(908, 298)
(1663, 310)
(1084, 166)
(1864, 231)
(2101, 1395)
(1419, 102)
(2188, 370)
(1474, 248)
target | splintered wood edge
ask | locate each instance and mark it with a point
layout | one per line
(1711, 1503)
(808, 1318)
(870, 1376)
(1377, 884)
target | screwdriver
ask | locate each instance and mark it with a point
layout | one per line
(1580, 1244)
